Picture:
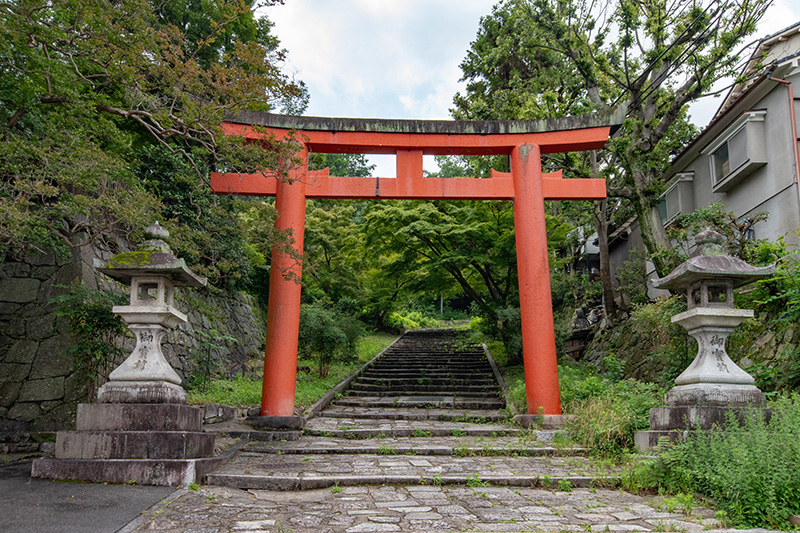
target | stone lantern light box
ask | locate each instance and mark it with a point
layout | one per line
(712, 384)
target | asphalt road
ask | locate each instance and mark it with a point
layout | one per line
(45, 506)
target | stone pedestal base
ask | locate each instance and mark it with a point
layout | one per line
(678, 421)
(151, 392)
(276, 422)
(543, 421)
(151, 444)
(163, 472)
(690, 417)
(715, 394)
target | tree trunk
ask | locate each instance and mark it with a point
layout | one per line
(650, 223)
(601, 223)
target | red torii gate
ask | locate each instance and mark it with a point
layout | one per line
(523, 140)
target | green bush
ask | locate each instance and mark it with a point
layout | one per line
(412, 320)
(749, 472)
(326, 335)
(584, 391)
(667, 342)
(578, 383)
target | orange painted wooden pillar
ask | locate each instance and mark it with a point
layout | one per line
(536, 308)
(283, 311)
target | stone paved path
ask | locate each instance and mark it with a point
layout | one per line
(370, 509)
(411, 448)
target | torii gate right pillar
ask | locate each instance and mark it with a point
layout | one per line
(536, 308)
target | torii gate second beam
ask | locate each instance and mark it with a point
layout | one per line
(409, 140)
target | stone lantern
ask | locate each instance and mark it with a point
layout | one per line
(152, 272)
(141, 427)
(712, 384)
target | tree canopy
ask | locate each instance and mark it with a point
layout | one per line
(90, 89)
(536, 58)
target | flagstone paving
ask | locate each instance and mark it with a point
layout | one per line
(370, 509)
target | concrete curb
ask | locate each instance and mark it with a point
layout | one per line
(134, 524)
(500, 381)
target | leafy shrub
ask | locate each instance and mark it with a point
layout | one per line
(97, 331)
(750, 472)
(326, 335)
(515, 382)
(581, 383)
(412, 320)
(668, 342)
(207, 359)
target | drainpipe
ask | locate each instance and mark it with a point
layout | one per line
(794, 131)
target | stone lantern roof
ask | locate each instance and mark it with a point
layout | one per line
(154, 257)
(709, 262)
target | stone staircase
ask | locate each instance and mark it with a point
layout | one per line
(428, 411)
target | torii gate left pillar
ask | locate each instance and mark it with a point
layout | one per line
(526, 185)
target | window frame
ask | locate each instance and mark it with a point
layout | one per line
(751, 124)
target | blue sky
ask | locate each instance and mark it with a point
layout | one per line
(400, 58)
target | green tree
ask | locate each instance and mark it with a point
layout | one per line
(441, 243)
(85, 84)
(536, 58)
(332, 251)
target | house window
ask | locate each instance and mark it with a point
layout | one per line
(738, 152)
(722, 163)
(677, 198)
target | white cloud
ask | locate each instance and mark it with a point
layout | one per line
(378, 58)
(400, 58)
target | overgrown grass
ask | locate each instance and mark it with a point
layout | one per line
(606, 422)
(246, 392)
(237, 392)
(749, 472)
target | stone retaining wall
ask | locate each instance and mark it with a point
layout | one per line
(39, 391)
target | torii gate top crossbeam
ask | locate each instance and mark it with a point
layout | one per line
(409, 140)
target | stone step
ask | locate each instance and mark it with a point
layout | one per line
(360, 433)
(430, 367)
(412, 375)
(456, 402)
(382, 381)
(478, 416)
(364, 428)
(536, 443)
(457, 370)
(424, 390)
(314, 471)
(448, 355)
